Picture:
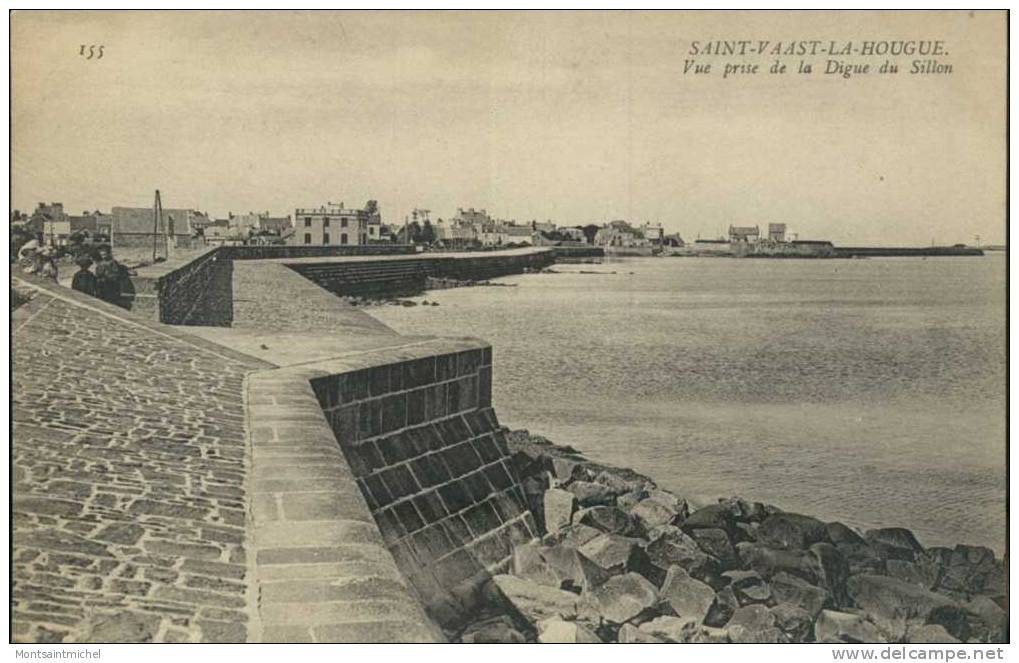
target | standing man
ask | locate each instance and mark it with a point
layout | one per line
(109, 272)
(84, 280)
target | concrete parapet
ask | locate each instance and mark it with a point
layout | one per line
(398, 449)
(397, 275)
(322, 570)
(199, 289)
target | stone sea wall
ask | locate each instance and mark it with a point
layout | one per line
(621, 560)
(198, 289)
(432, 462)
(410, 275)
(354, 485)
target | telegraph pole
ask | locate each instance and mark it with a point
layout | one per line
(157, 220)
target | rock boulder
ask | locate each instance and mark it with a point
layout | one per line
(891, 602)
(558, 507)
(556, 566)
(495, 630)
(531, 601)
(754, 623)
(671, 546)
(614, 554)
(712, 516)
(791, 590)
(610, 519)
(894, 543)
(591, 493)
(558, 631)
(631, 635)
(624, 597)
(791, 531)
(834, 626)
(689, 598)
(715, 542)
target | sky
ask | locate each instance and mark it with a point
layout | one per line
(577, 117)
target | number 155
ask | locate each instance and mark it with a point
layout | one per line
(93, 51)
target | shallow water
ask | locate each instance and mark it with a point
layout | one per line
(869, 391)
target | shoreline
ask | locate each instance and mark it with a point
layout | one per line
(621, 560)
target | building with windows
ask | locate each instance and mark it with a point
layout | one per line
(620, 238)
(776, 232)
(744, 234)
(336, 225)
(259, 223)
(137, 234)
(455, 233)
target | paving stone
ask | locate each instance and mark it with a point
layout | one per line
(379, 632)
(286, 634)
(342, 612)
(317, 533)
(215, 631)
(316, 591)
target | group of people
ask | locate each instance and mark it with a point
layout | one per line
(37, 258)
(104, 282)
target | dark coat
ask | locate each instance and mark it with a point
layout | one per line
(86, 282)
(108, 278)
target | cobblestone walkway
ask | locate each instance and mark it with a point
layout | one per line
(129, 480)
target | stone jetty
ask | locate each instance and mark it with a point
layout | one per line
(621, 560)
(237, 454)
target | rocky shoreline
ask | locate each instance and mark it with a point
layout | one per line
(621, 560)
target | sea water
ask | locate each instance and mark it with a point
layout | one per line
(868, 391)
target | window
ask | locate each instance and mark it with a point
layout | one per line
(325, 221)
(343, 223)
(325, 238)
(307, 238)
(307, 222)
(343, 238)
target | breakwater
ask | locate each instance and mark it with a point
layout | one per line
(622, 560)
(904, 252)
(198, 289)
(397, 276)
(345, 483)
(815, 249)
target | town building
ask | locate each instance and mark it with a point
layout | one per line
(653, 232)
(515, 234)
(455, 233)
(223, 235)
(776, 232)
(573, 234)
(259, 223)
(744, 234)
(336, 225)
(57, 226)
(674, 240)
(471, 217)
(620, 234)
(137, 233)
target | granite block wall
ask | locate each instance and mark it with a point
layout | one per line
(491, 265)
(273, 252)
(432, 463)
(198, 293)
(399, 277)
(384, 277)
